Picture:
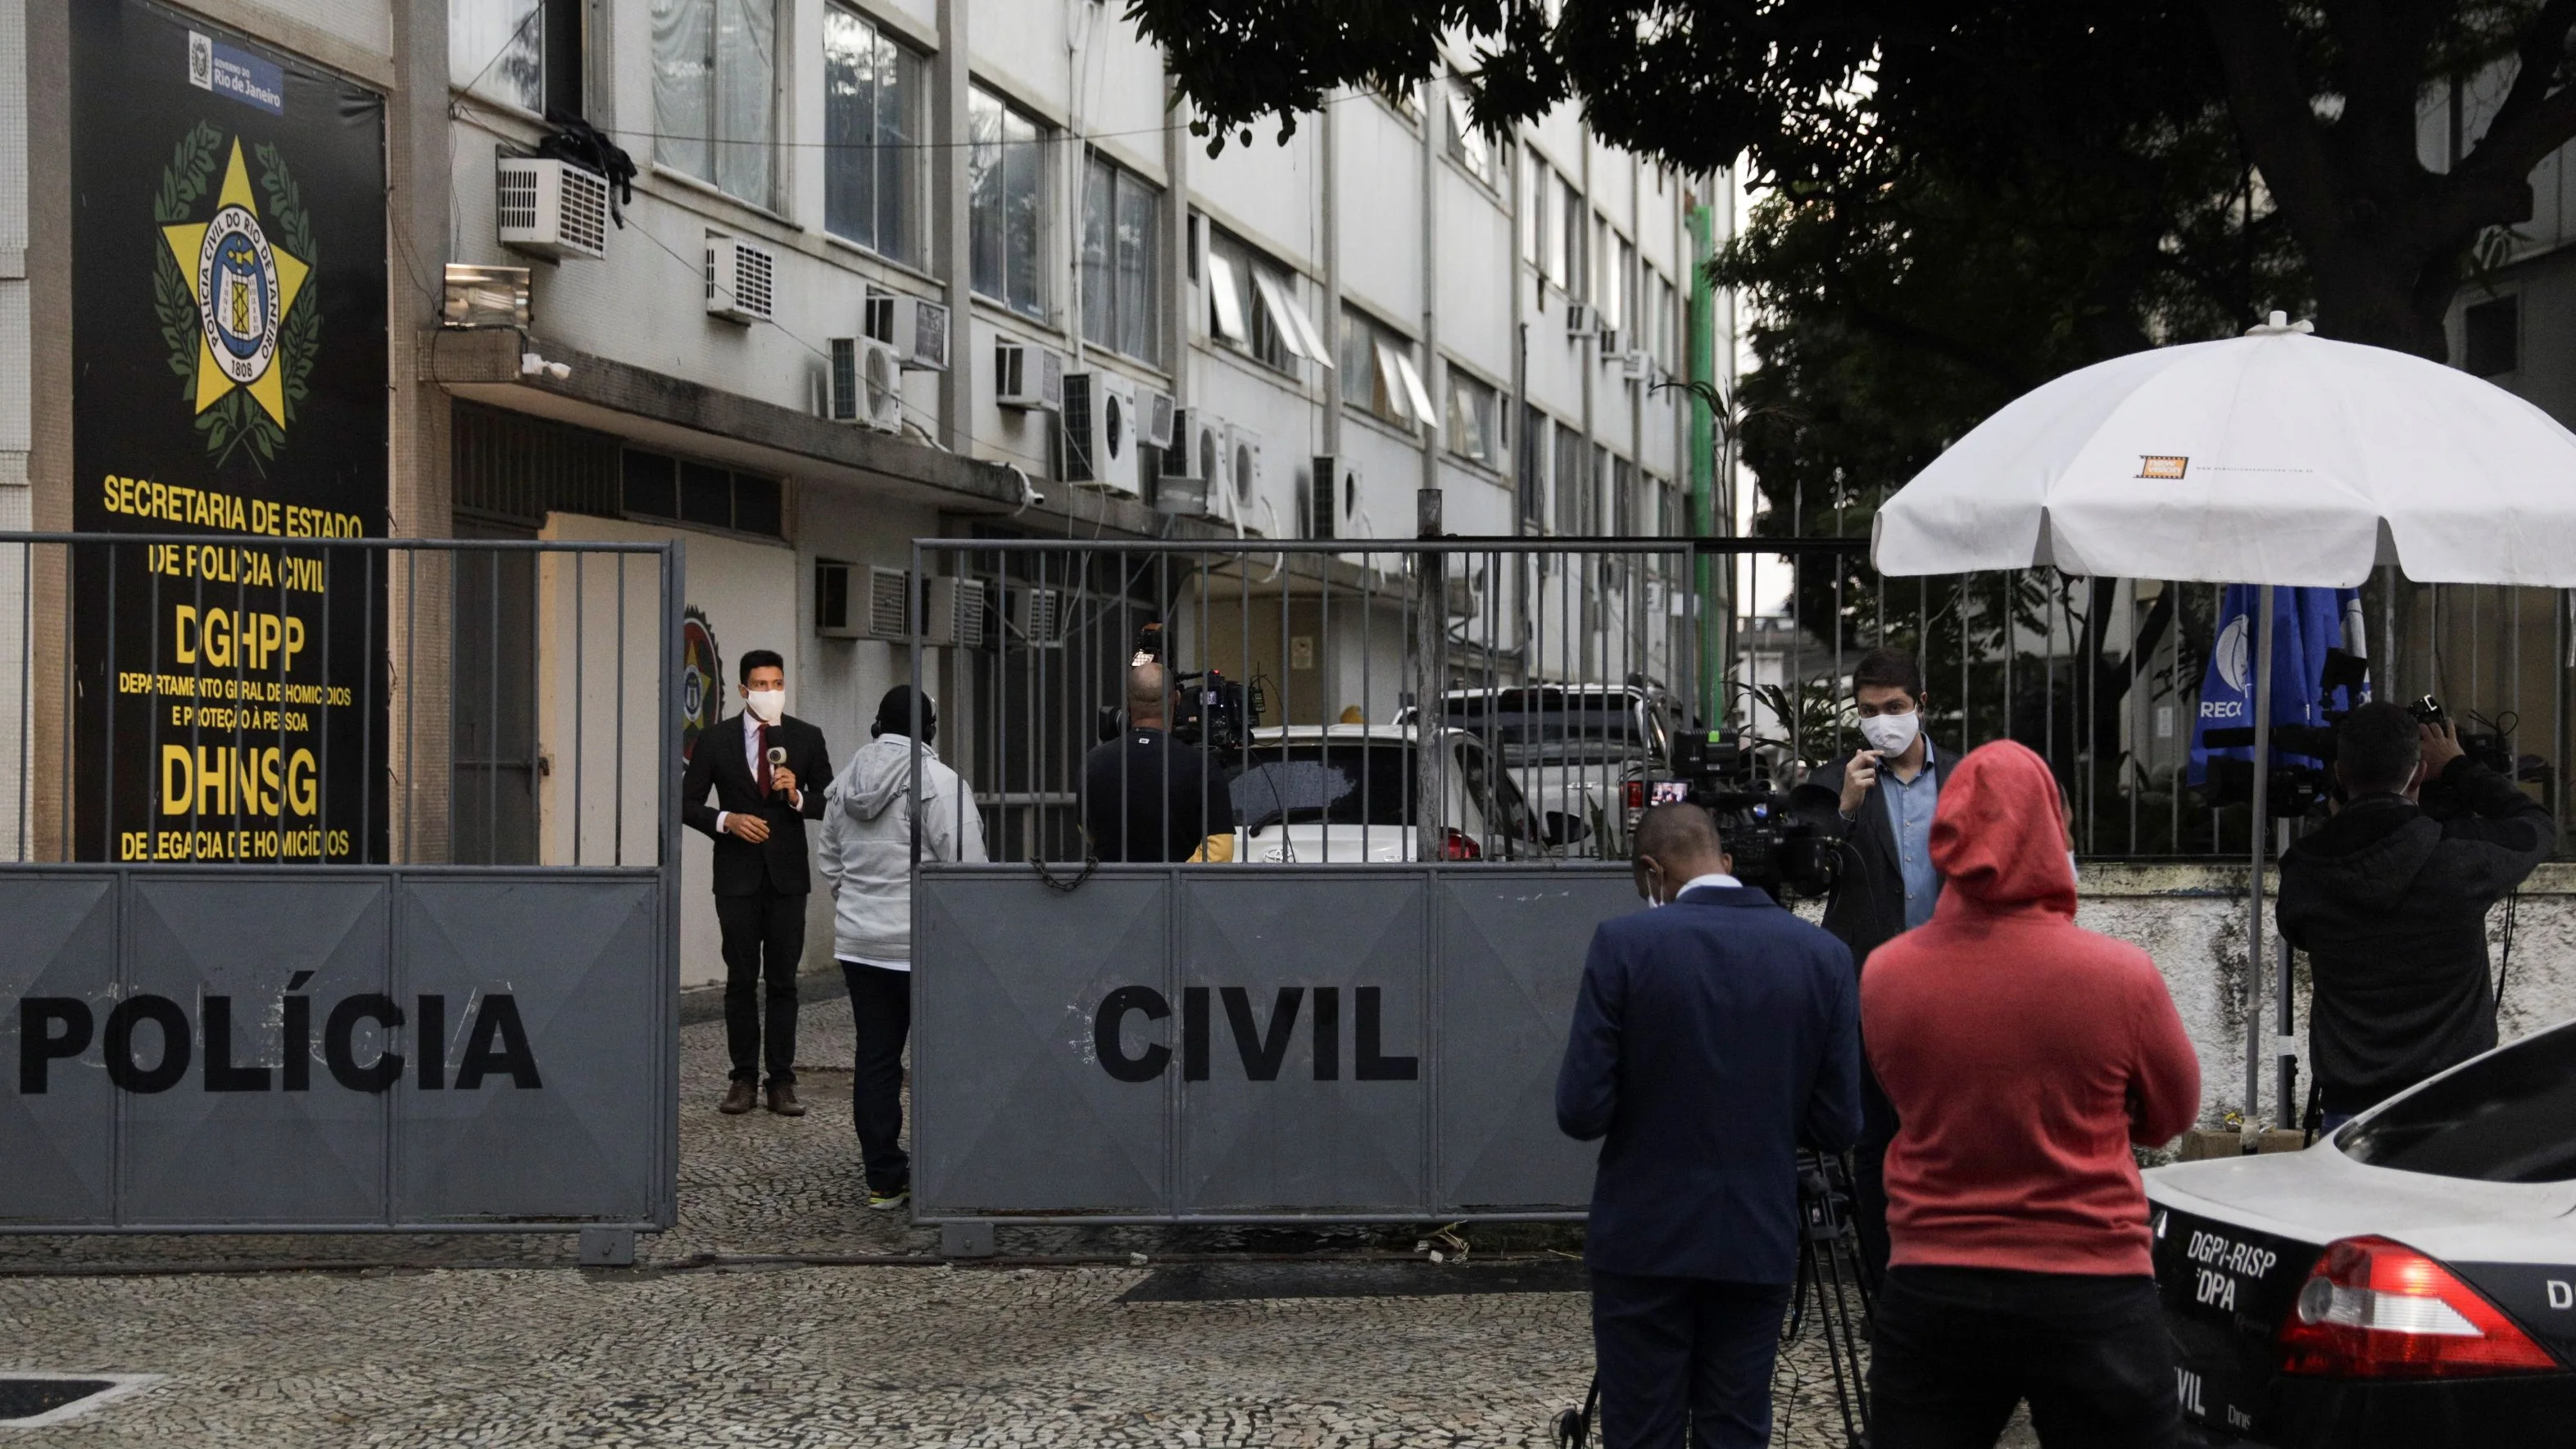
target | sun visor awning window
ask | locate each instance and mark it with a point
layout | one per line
(1416, 393)
(1283, 318)
(1225, 300)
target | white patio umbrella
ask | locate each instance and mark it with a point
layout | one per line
(2274, 458)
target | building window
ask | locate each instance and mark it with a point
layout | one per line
(1534, 192)
(1006, 203)
(1475, 420)
(1467, 145)
(1570, 492)
(1623, 497)
(1378, 373)
(1668, 508)
(1122, 252)
(1668, 324)
(2493, 333)
(872, 90)
(1565, 254)
(715, 93)
(1532, 469)
(524, 53)
(656, 485)
(1614, 289)
(1252, 305)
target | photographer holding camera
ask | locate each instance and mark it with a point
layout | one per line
(1879, 803)
(2389, 898)
(1147, 796)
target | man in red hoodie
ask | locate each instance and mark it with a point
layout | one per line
(2023, 1056)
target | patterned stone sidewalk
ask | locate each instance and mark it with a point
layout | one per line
(494, 1341)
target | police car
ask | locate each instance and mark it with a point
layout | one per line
(2410, 1280)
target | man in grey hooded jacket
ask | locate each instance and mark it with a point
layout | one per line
(866, 853)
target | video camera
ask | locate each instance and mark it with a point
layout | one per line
(1208, 710)
(1773, 847)
(2296, 790)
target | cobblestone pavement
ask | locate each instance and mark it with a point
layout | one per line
(494, 1341)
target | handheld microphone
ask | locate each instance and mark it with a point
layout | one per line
(777, 757)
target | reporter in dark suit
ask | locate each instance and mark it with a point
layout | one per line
(758, 825)
(1711, 1040)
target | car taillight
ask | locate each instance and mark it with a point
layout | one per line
(1636, 794)
(2376, 1309)
(1457, 846)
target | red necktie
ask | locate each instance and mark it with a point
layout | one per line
(760, 752)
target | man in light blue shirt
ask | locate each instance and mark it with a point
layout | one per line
(1912, 795)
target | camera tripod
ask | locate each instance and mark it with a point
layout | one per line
(1829, 1278)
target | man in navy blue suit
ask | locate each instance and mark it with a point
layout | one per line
(1712, 1039)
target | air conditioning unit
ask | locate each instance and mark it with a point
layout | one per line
(1026, 375)
(552, 208)
(953, 613)
(832, 618)
(1035, 616)
(917, 330)
(1612, 344)
(1636, 366)
(888, 604)
(1332, 496)
(1098, 433)
(1156, 415)
(867, 384)
(1582, 319)
(1242, 471)
(742, 279)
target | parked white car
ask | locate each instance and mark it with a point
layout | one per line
(1343, 794)
(1574, 750)
(2409, 1282)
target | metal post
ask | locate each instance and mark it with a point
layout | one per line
(2253, 996)
(2285, 1045)
(1430, 624)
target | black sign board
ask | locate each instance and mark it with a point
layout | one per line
(228, 347)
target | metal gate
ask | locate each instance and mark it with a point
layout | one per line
(268, 966)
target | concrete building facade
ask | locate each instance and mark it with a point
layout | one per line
(1385, 289)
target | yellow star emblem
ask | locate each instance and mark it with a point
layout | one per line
(244, 286)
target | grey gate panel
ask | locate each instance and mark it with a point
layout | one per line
(61, 947)
(1315, 965)
(1249, 1042)
(539, 1098)
(1008, 1021)
(1511, 961)
(245, 1134)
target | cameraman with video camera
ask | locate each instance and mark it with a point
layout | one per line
(1878, 802)
(2389, 898)
(1148, 796)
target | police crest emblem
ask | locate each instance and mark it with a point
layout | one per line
(230, 292)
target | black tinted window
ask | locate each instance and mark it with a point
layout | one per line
(2508, 1118)
(1337, 784)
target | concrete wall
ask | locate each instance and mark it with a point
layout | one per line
(2191, 920)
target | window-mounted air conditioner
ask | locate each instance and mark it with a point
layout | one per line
(1636, 366)
(889, 605)
(551, 208)
(867, 384)
(1613, 344)
(916, 329)
(1035, 616)
(1582, 319)
(1098, 434)
(953, 613)
(742, 279)
(1193, 462)
(1026, 375)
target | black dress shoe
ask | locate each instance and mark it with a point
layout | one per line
(782, 1100)
(738, 1099)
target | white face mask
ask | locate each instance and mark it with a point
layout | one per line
(1891, 734)
(766, 704)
